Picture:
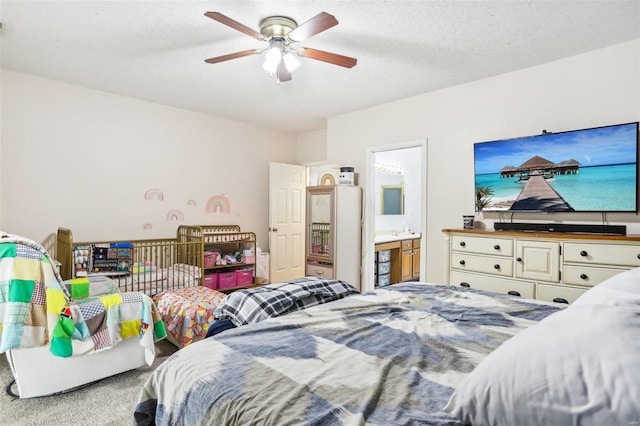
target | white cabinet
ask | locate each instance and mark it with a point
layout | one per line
(334, 232)
(545, 266)
(538, 260)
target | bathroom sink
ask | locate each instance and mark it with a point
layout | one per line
(385, 238)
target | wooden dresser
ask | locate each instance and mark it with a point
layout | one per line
(554, 267)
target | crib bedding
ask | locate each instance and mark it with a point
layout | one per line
(155, 280)
(188, 311)
(37, 308)
(391, 356)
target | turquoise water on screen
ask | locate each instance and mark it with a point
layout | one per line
(601, 188)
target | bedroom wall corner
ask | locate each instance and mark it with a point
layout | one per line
(311, 146)
(596, 88)
(113, 167)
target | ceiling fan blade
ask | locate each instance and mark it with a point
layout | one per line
(319, 23)
(216, 16)
(332, 58)
(283, 72)
(231, 56)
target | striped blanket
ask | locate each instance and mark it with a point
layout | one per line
(37, 307)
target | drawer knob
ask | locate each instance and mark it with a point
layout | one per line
(583, 253)
(462, 262)
(319, 272)
(462, 244)
(518, 259)
(513, 293)
(584, 276)
(496, 266)
(638, 256)
(560, 300)
(497, 247)
(465, 285)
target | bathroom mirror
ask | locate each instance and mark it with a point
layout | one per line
(392, 199)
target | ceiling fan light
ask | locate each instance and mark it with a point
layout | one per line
(290, 61)
(272, 59)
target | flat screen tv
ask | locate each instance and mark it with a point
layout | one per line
(587, 170)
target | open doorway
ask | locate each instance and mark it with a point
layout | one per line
(395, 207)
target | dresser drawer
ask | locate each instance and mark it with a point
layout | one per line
(557, 293)
(492, 246)
(486, 264)
(585, 275)
(493, 284)
(607, 254)
(319, 271)
(384, 268)
(384, 255)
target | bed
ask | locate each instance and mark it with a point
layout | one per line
(166, 269)
(149, 266)
(414, 353)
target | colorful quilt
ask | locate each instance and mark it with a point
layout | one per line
(187, 312)
(74, 317)
(389, 357)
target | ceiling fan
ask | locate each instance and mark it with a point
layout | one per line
(280, 33)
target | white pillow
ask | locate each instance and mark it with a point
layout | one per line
(577, 366)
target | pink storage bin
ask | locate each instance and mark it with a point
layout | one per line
(249, 260)
(211, 280)
(210, 258)
(244, 276)
(227, 280)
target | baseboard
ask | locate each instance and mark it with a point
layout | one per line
(568, 228)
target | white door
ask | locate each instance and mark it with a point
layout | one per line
(287, 191)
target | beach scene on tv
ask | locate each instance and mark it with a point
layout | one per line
(590, 170)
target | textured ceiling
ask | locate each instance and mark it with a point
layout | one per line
(155, 50)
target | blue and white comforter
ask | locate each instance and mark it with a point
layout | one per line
(391, 356)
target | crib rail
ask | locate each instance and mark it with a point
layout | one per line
(156, 265)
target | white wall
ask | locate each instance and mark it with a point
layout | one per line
(593, 89)
(85, 159)
(311, 146)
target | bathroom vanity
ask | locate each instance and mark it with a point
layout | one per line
(397, 258)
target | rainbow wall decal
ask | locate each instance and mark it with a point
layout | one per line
(191, 203)
(327, 179)
(218, 204)
(154, 194)
(175, 215)
(147, 225)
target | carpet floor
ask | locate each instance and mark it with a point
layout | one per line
(107, 402)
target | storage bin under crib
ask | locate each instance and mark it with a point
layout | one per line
(244, 277)
(210, 280)
(226, 280)
(210, 258)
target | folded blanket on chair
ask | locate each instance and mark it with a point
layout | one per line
(37, 307)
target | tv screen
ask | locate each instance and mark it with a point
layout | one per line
(587, 170)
